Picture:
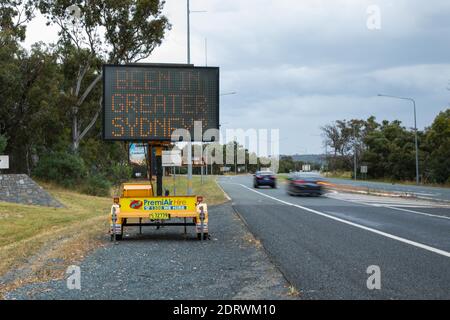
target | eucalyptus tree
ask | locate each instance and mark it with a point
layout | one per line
(93, 32)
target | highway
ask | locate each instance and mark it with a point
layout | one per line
(424, 192)
(323, 246)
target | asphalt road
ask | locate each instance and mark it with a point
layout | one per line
(324, 245)
(420, 191)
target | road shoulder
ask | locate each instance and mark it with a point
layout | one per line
(164, 264)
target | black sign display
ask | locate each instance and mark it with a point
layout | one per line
(148, 102)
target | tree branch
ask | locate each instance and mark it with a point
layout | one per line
(93, 121)
(81, 76)
(89, 89)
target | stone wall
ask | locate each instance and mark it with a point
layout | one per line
(20, 188)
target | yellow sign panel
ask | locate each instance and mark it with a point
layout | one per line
(158, 205)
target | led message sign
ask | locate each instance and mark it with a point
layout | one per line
(148, 102)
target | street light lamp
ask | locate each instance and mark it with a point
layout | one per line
(228, 93)
(415, 130)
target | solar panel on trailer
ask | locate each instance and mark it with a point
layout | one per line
(143, 102)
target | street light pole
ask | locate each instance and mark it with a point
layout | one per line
(417, 142)
(355, 173)
(189, 143)
(188, 32)
(236, 149)
(415, 131)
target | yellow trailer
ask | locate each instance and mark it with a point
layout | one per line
(138, 207)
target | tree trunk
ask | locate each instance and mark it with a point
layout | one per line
(77, 134)
(75, 142)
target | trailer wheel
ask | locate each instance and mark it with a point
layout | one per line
(119, 237)
(205, 236)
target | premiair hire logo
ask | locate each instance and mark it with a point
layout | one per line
(136, 204)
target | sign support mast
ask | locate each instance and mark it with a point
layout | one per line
(189, 143)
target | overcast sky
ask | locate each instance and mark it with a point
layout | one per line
(298, 65)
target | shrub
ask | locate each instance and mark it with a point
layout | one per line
(61, 167)
(97, 185)
(119, 173)
(3, 143)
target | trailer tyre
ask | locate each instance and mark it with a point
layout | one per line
(205, 236)
(119, 237)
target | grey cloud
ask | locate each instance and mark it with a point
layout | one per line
(298, 65)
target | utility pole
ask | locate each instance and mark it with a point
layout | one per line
(188, 33)
(206, 52)
(354, 153)
(206, 162)
(235, 155)
(201, 162)
(189, 143)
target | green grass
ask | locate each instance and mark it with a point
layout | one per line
(348, 176)
(32, 237)
(339, 175)
(20, 222)
(208, 189)
(282, 177)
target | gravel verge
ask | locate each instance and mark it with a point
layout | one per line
(166, 264)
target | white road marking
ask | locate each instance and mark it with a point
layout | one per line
(384, 234)
(418, 212)
(226, 194)
(426, 194)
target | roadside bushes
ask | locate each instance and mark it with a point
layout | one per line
(3, 142)
(69, 170)
(119, 173)
(62, 168)
(97, 185)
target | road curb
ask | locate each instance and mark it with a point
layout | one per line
(383, 193)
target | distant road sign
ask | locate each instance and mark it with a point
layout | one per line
(196, 162)
(4, 162)
(171, 158)
(145, 102)
(137, 149)
(306, 168)
(364, 169)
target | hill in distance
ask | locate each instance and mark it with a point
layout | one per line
(309, 158)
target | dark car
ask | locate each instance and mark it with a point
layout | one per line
(303, 184)
(264, 178)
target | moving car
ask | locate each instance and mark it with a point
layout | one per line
(305, 184)
(265, 178)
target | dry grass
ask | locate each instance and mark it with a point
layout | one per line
(38, 243)
(250, 239)
(293, 292)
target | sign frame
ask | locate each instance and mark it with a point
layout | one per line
(172, 155)
(4, 162)
(156, 65)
